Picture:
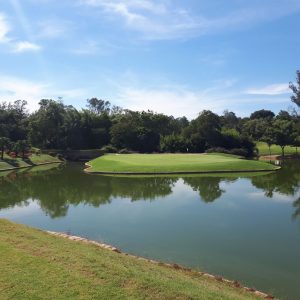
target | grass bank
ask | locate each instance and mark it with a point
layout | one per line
(37, 265)
(275, 149)
(174, 163)
(34, 160)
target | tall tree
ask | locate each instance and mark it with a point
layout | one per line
(98, 106)
(269, 137)
(262, 114)
(229, 120)
(296, 89)
(46, 125)
(283, 133)
(206, 127)
(22, 146)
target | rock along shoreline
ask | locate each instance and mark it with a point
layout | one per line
(232, 283)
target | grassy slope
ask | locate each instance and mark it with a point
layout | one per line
(155, 163)
(275, 149)
(19, 162)
(35, 265)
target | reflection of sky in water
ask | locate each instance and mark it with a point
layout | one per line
(23, 210)
(241, 228)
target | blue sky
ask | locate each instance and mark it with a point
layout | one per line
(175, 57)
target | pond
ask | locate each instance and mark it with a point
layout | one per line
(244, 227)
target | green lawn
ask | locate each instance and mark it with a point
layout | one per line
(33, 160)
(275, 149)
(163, 163)
(36, 265)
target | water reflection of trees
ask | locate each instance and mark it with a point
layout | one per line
(296, 204)
(208, 187)
(285, 182)
(55, 191)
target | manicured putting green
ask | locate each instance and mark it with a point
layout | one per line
(174, 163)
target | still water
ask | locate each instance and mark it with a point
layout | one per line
(243, 227)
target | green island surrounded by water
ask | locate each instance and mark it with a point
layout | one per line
(174, 163)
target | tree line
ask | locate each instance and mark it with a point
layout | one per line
(103, 126)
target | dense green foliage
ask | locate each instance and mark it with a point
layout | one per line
(58, 126)
(174, 163)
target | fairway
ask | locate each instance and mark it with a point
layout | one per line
(275, 149)
(174, 163)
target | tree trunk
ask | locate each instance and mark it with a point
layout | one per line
(282, 149)
(2, 154)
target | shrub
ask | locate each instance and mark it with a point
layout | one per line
(124, 151)
(60, 156)
(109, 149)
(235, 151)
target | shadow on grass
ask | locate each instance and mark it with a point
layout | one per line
(28, 161)
(16, 162)
(11, 161)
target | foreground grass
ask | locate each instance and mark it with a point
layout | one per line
(160, 163)
(36, 265)
(275, 149)
(33, 160)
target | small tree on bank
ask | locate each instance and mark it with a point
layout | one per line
(283, 133)
(269, 138)
(4, 144)
(22, 146)
(296, 143)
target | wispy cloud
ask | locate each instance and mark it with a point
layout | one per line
(13, 44)
(25, 46)
(94, 47)
(4, 29)
(53, 28)
(172, 99)
(166, 20)
(14, 88)
(273, 89)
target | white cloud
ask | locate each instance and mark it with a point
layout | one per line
(273, 89)
(155, 20)
(172, 100)
(277, 197)
(25, 46)
(14, 88)
(13, 44)
(165, 20)
(93, 47)
(52, 28)
(4, 29)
